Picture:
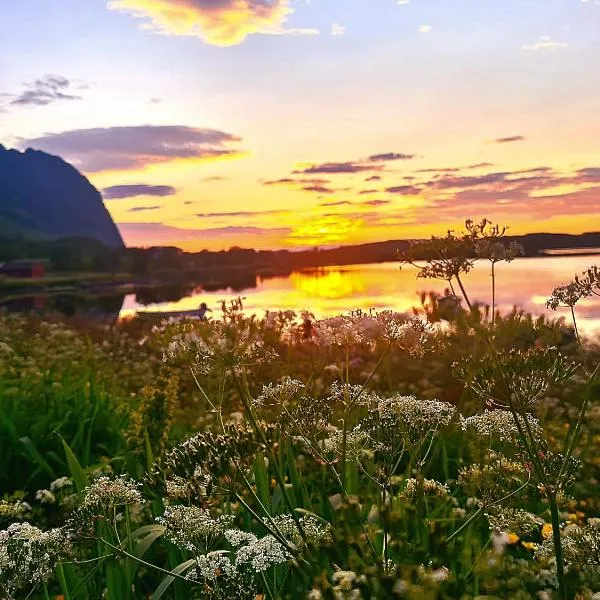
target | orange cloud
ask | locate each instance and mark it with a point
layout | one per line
(217, 22)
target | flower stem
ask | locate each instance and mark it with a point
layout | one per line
(560, 568)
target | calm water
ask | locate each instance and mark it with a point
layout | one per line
(327, 291)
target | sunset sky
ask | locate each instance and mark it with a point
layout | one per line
(294, 123)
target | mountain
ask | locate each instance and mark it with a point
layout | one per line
(43, 197)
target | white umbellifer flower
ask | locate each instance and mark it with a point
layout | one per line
(316, 530)
(221, 348)
(354, 444)
(430, 488)
(13, 510)
(60, 483)
(351, 393)
(237, 537)
(430, 414)
(45, 497)
(514, 520)
(279, 393)
(215, 564)
(500, 423)
(28, 555)
(193, 528)
(344, 580)
(262, 554)
(106, 492)
(580, 545)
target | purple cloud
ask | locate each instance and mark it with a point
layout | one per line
(336, 168)
(142, 208)
(125, 148)
(509, 139)
(375, 202)
(117, 192)
(389, 156)
(407, 190)
(47, 90)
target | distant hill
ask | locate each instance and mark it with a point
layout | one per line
(42, 197)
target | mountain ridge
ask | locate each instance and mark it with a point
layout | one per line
(44, 197)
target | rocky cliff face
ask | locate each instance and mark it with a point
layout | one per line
(42, 196)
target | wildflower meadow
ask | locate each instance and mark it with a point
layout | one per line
(445, 453)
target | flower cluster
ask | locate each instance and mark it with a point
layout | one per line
(193, 528)
(316, 530)
(218, 347)
(429, 487)
(28, 556)
(278, 394)
(107, 493)
(496, 251)
(101, 499)
(514, 520)
(583, 286)
(446, 257)
(581, 545)
(261, 553)
(353, 444)
(349, 394)
(501, 424)
(494, 481)
(416, 419)
(516, 379)
(13, 510)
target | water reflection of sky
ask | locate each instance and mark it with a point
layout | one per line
(333, 290)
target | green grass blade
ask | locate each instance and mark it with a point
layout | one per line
(168, 580)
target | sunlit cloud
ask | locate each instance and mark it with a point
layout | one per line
(217, 22)
(545, 43)
(130, 148)
(327, 229)
(425, 28)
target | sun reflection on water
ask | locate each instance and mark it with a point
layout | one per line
(327, 291)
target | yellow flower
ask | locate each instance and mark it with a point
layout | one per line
(547, 530)
(529, 545)
(512, 538)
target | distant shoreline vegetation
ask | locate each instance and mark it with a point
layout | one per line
(87, 265)
(78, 254)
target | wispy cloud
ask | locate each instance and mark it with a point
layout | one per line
(336, 168)
(241, 213)
(337, 29)
(217, 22)
(117, 192)
(143, 208)
(509, 139)
(142, 234)
(126, 148)
(545, 43)
(47, 90)
(389, 156)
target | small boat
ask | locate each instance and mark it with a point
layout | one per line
(198, 313)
